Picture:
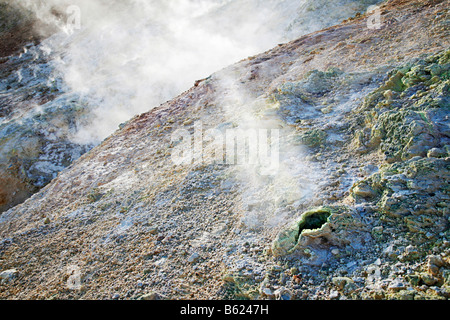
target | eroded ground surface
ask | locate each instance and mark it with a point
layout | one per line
(358, 207)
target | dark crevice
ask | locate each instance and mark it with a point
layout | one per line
(313, 221)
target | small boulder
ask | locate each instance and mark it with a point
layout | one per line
(194, 257)
(8, 275)
(151, 296)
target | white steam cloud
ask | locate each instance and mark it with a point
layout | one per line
(129, 56)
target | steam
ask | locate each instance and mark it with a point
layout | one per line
(126, 57)
(269, 197)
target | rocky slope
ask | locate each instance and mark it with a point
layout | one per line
(356, 209)
(36, 116)
(61, 96)
(16, 28)
(36, 124)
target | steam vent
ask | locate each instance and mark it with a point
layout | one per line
(225, 150)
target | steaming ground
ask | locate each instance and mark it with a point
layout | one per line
(128, 57)
(137, 226)
(108, 61)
